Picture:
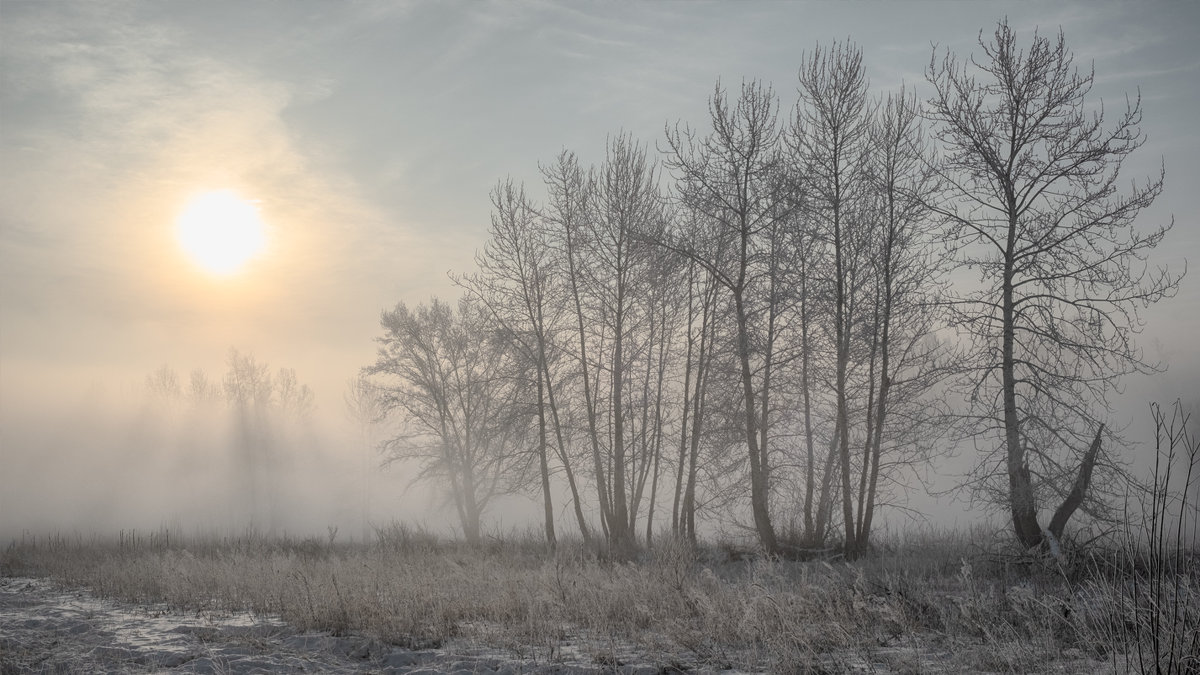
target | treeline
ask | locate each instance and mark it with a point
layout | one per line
(754, 322)
(248, 387)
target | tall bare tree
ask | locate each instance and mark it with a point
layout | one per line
(163, 385)
(906, 362)
(567, 216)
(1037, 210)
(266, 410)
(830, 138)
(625, 210)
(202, 392)
(518, 281)
(294, 400)
(663, 299)
(732, 176)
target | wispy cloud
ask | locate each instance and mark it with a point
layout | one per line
(1146, 74)
(111, 120)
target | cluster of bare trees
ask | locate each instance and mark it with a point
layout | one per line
(248, 387)
(263, 411)
(757, 323)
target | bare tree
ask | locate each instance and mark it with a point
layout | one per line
(248, 382)
(664, 301)
(163, 385)
(202, 392)
(453, 384)
(1036, 209)
(700, 326)
(625, 210)
(295, 401)
(830, 138)
(267, 414)
(903, 421)
(806, 246)
(732, 177)
(517, 281)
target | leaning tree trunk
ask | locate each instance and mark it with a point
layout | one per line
(1078, 490)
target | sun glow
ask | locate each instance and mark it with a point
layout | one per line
(221, 231)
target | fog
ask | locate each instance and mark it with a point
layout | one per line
(110, 457)
(368, 137)
(107, 457)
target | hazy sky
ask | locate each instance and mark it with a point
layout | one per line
(371, 133)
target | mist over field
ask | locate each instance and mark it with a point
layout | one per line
(363, 147)
(107, 457)
(116, 456)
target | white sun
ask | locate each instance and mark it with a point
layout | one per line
(221, 231)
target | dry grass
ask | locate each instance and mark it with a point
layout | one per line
(931, 603)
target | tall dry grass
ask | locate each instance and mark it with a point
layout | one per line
(945, 602)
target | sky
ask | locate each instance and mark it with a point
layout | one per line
(368, 135)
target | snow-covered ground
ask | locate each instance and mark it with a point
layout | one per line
(47, 629)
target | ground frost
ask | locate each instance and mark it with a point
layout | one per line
(46, 629)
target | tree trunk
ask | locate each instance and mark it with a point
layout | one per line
(707, 330)
(619, 527)
(810, 533)
(544, 464)
(1020, 484)
(825, 504)
(566, 461)
(589, 400)
(658, 426)
(758, 488)
(687, 387)
(885, 385)
(864, 474)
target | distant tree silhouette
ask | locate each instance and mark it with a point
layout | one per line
(364, 408)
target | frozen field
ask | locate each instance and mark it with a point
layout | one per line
(45, 629)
